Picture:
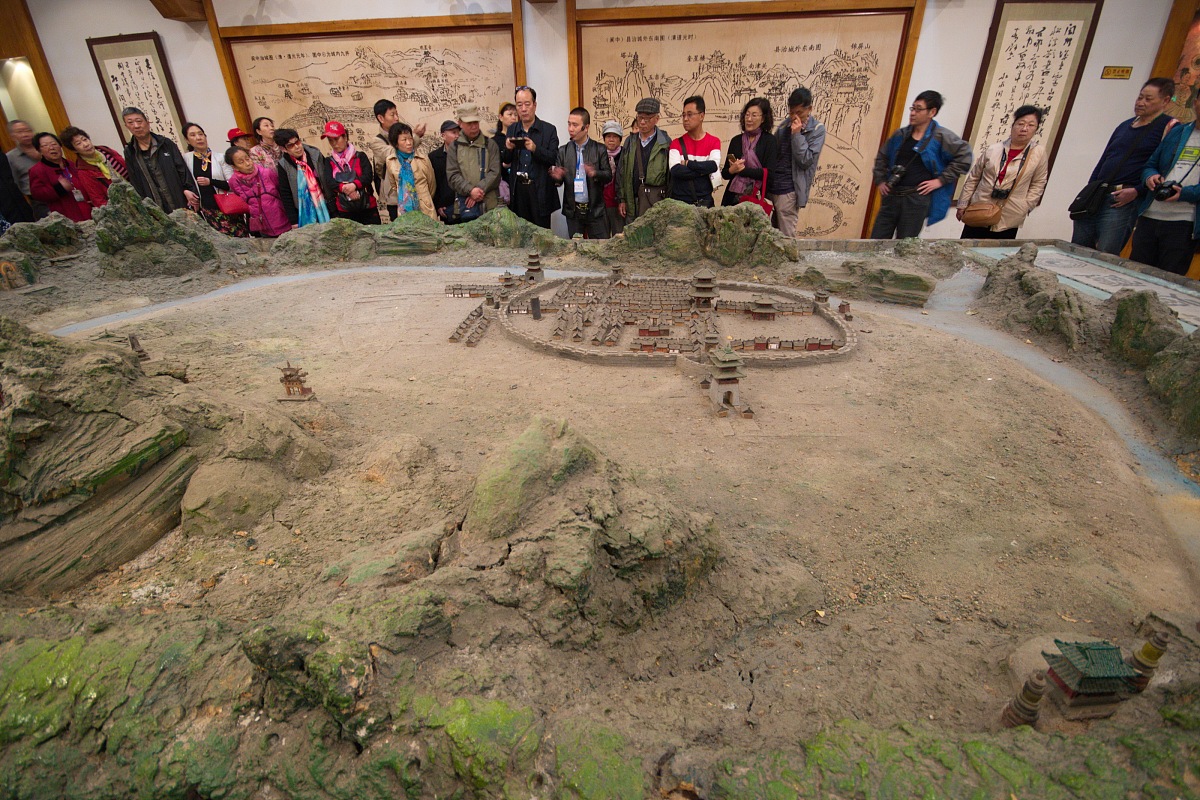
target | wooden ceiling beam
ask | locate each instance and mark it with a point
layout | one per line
(181, 10)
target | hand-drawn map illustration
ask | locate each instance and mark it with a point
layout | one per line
(848, 61)
(302, 83)
(1034, 60)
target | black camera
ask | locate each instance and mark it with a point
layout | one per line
(1165, 190)
(1000, 194)
(894, 176)
(518, 140)
(522, 176)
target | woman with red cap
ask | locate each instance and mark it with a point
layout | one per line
(350, 172)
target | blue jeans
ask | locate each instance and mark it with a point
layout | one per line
(1108, 231)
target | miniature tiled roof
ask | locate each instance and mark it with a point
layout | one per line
(1090, 667)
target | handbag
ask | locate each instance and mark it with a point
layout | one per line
(460, 211)
(231, 204)
(1093, 198)
(344, 203)
(1089, 201)
(759, 197)
(983, 214)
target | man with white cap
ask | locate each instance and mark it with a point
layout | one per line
(472, 167)
(611, 133)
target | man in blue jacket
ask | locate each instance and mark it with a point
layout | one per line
(915, 171)
(1168, 228)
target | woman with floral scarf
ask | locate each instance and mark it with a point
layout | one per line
(300, 186)
(411, 174)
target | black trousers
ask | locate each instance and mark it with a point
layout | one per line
(901, 217)
(524, 204)
(1166, 245)
(972, 232)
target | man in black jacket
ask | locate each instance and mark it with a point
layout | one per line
(156, 167)
(443, 195)
(13, 205)
(584, 170)
(532, 149)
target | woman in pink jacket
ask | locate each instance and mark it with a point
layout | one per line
(259, 187)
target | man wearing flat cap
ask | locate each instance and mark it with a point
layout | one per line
(472, 167)
(644, 165)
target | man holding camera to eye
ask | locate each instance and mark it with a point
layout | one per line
(915, 171)
(1167, 229)
(532, 149)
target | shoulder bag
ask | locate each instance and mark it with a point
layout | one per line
(231, 203)
(759, 196)
(1092, 198)
(461, 211)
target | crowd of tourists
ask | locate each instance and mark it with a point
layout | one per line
(268, 181)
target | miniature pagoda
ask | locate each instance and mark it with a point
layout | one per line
(533, 267)
(722, 384)
(508, 281)
(293, 384)
(704, 290)
(1088, 679)
(763, 309)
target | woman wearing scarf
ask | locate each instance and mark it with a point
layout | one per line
(267, 152)
(611, 133)
(99, 165)
(751, 152)
(350, 173)
(300, 186)
(54, 182)
(411, 174)
(211, 175)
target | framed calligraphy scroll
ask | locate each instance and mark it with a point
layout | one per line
(134, 72)
(854, 63)
(1035, 56)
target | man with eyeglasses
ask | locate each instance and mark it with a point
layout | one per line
(915, 171)
(695, 158)
(644, 163)
(532, 149)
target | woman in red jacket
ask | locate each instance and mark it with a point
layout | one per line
(56, 183)
(351, 172)
(96, 164)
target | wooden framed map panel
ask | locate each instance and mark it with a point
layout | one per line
(302, 82)
(851, 61)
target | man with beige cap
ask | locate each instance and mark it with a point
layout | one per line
(472, 167)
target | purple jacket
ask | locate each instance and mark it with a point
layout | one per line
(260, 190)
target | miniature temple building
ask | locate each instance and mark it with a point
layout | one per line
(703, 291)
(508, 281)
(533, 267)
(293, 384)
(763, 308)
(821, 296)
(1092, 675)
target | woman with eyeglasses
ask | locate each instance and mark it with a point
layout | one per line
(54, 182)
(751, 152)
(1006, 182)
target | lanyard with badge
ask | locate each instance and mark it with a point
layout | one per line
(581, 194)
(71, 178)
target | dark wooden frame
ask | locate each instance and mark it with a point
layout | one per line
(914, 11)
(223, 37)
(165, 79)
(1065, 113)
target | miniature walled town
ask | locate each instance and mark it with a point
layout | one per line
(619, 320)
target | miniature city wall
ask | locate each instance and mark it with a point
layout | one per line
(672, 325)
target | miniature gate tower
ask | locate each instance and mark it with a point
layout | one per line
(1088, 679)
(293, 384)
(704, 290)
(722, 384)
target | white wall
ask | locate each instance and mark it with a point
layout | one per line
(953, 36)
(65, 25)
(952, 40)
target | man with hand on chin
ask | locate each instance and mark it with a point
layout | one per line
(801, 138)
